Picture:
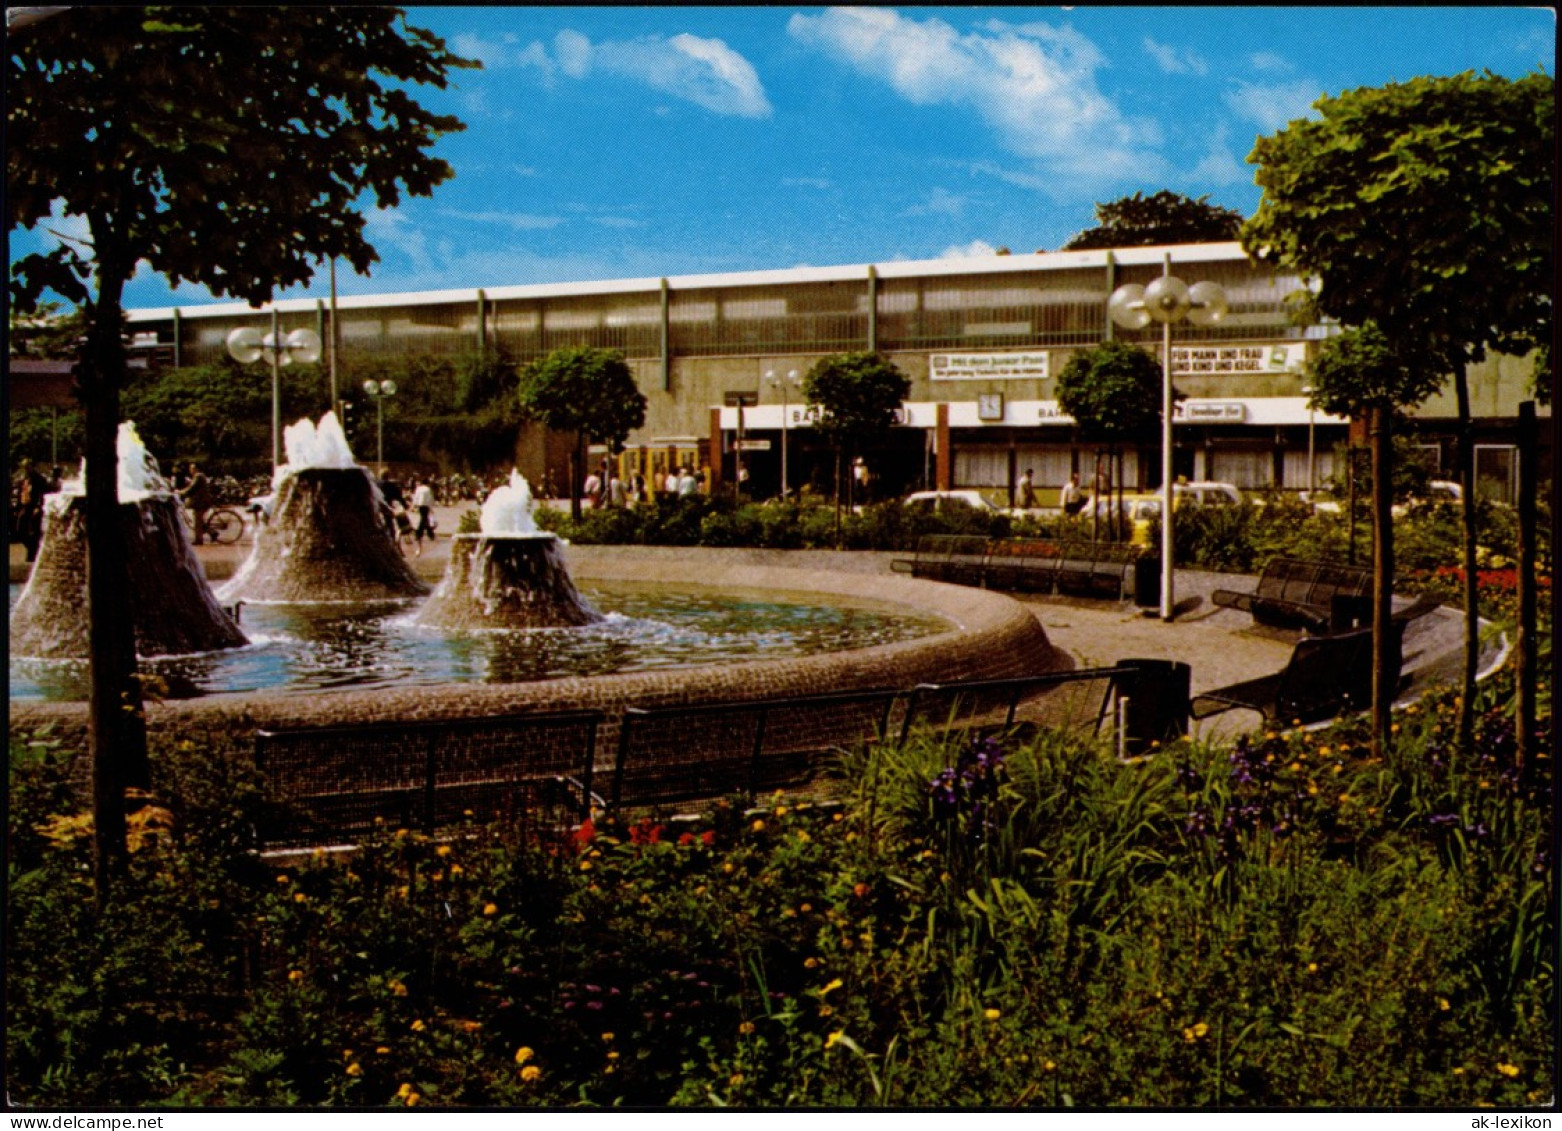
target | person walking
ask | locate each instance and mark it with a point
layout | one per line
(423, 503)
(1026, 494)
(1072, 498)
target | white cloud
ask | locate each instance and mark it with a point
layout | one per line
(1034, 85)
(1268, 61)
(1175, 62)
(972, 250)
(940, 202)
(705, 72)
(1271, 107)
(1219, 165)
(519, 221)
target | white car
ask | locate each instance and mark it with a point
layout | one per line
(935, 500)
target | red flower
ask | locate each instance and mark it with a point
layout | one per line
(685, 840)
(646, 833)
(708, 836)
(586, 833)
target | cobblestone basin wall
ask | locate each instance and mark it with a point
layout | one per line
(991, 636)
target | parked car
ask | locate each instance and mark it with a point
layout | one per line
(1140, 508)
(1324, 501)
(939, 500)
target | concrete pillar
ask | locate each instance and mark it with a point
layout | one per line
(946, 457)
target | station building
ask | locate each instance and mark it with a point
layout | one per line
(720, 359)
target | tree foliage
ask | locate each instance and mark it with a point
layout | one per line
(1361, 369)
(1162, 218)
(584, 390)
(1425, 207)
(1113, 392)
(858, 396)
(226, 147)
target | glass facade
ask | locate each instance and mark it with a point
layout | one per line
(1060, 306)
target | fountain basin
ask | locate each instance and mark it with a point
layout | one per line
(990, 636)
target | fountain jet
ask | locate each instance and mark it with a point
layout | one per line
(331, 536)
(510, 575)
(174, 611)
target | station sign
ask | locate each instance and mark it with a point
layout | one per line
(1009, 365)
(1238, 359)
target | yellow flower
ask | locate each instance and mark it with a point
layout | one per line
(805, 907)
(382, 1050)
(992, 1014)
(835, 984)
(585, 865)
(735, 1079)
(295, 976)
(470, 1026)
(781, 811)
(1195, 1032)
(523, 1054)
(530, 1073)
(810, 963)
(283, 879)
(398, 988)
(404, 1091)
(412, 1099)
(442, 850)
(490, 908)
(418, 1026)
(759, 826)
(607, 1036)
(1442, 1004)
(1049, 1065)
(746, 1028)
(1312, 967)
(355, 1069)
(1508, 1069)
(830, 1041)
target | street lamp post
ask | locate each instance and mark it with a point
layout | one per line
(1312, 465)
(378, 391)
(783, 383)
(247, 344)
(1166, 300)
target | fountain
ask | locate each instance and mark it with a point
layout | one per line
(174, 611)
(331, 536)
(510, 575)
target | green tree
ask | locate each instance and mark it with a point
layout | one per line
(859, 396)
(1162, 218)
(227, 147)
(1424, 207)
(1361, 373)
(590, 392)
(1113, 392)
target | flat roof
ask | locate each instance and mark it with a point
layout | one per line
(893, 269)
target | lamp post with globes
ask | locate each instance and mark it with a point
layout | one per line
(246, 344)
(1166, 300)
(783, 383)
(378, 391)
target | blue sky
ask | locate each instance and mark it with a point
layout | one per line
(646, 141)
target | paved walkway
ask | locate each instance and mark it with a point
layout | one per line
(1221, 646)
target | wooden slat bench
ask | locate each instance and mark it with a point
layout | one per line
(1292, 593)
(1325, 676)
(338, 784)
(957, 558)
(668, 755)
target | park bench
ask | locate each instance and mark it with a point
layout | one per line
(338, 784)
(1093, 569)
(668, 755)
(957, 558)
(1325, 676)
(1292, 593)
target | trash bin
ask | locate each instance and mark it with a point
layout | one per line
(1147, 582)
(1158, 692)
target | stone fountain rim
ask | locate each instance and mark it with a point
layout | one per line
(991, 636)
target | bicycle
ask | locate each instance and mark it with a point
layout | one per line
(223, 526)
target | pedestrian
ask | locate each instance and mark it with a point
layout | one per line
(1072, 497)
(615, 492)
(687, 484)
(30, 491)
(1027, 491)
(593, 488)
(423, 503)
(197, 495)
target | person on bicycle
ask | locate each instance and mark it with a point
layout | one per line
(197, 495)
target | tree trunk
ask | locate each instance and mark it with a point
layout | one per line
(577, 474)
(1384, 680)
(839, 452)
(1472, 640)
(116, 717)
(1525, 649)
